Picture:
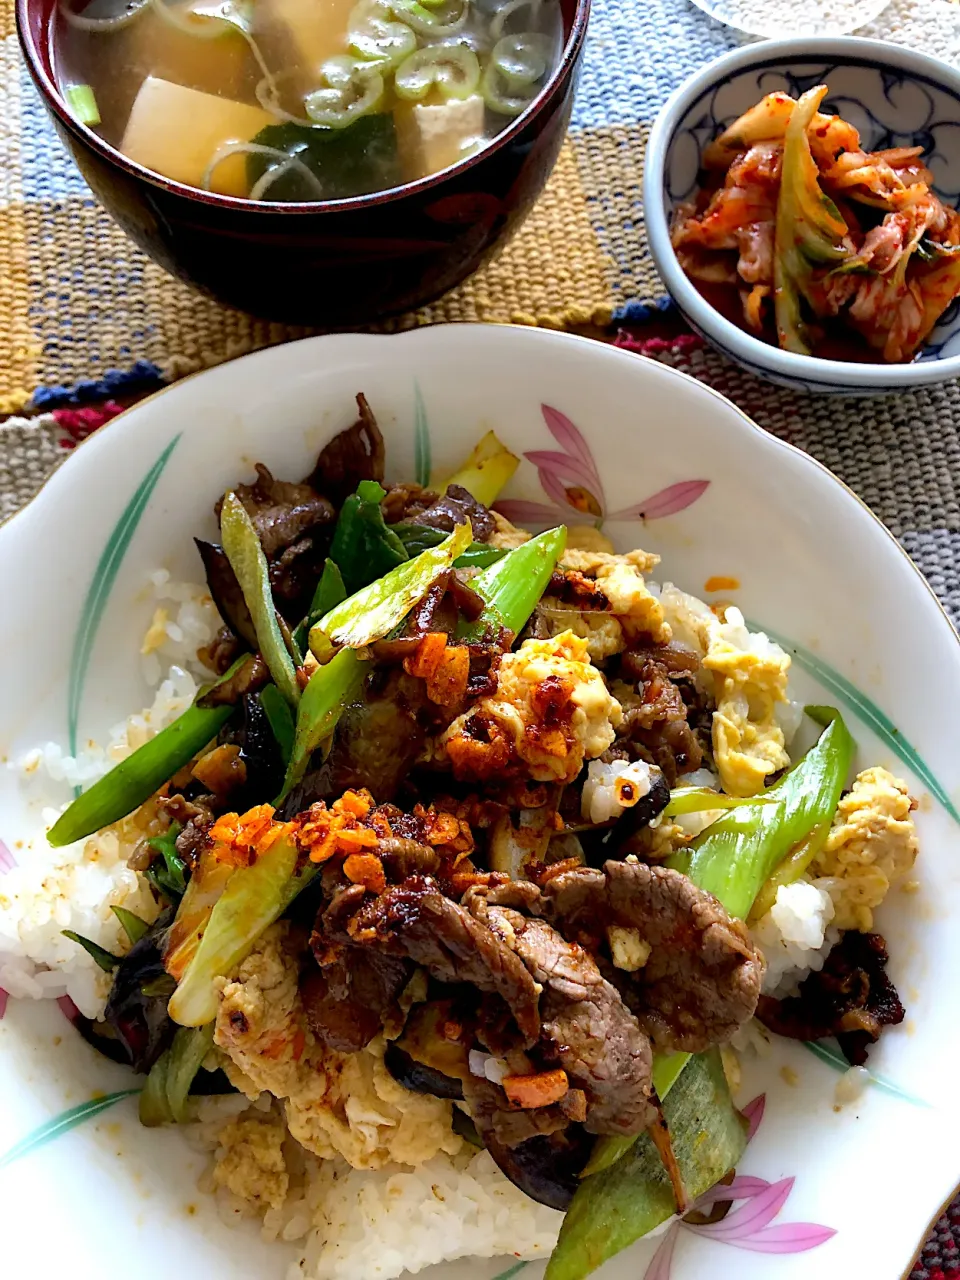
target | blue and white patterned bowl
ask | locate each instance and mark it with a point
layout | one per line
(894, 96)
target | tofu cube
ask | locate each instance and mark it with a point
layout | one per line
(432, 138)
(175, 131)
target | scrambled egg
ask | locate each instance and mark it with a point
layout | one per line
(521, 713)
(620, 578)
(750, 675)
(249, 1161)
(602, 631)
(507, 536)
(335, 1103)
(872, 843)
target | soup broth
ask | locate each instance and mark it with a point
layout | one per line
(293, 100)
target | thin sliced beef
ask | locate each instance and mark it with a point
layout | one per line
(345, 1000)
(226, 592)
(659, 723)
(501, 1124)
(454, 507)
(404, 501)
(351, 456)
(587, 1029)
(850, 998)
(416, 921)
(701, 979)
(282, 512)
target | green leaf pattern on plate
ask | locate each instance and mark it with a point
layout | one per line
(62, 1124)
(101, 586)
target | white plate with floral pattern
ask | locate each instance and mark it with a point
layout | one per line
(661, 461)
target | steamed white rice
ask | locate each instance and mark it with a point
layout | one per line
(49, 890)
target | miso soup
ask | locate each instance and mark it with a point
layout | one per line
(302, 99)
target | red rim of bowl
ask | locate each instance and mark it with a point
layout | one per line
(52, 97)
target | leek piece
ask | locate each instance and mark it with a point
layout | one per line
(209, 879)
(374, 610)
(790, 869)
(105, 959)
(608, 1149)
(154, 1108)
(513, 586)
(83, 103)
(135, 779)
(417, 537)
(329, 691)
(280, 719)
(486, 472)
(613, 1209)
(190, 1046)
(734, 857)
(330, 592)
(703, 799)
(242, 548)
(253, 898)
(810, 232)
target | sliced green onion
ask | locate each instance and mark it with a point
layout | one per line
(242, 548)
(375, 35)
(135, 779)
(280, 718)
(329, 593)
(253, 898)
(105, 959)
(514, 73)
(131, 924)
(513, 586)
(703, 799)
(83, 103)
(418, 537)
(453, 70)
(349, 88)
(169, 878)
(373, 611)
(329, 691)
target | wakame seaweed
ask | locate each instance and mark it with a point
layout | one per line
(347, 162)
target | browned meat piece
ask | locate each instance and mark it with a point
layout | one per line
(659, 723)
(500, 1123)
(587, 1029)
(376, 744)
(351, 456)
(469, 603)
(674, 657)
(226, 592)
(456, 506)
(192, 840)
(570, 586)
(222, 652)
(281, 512)
(345, 1000)
(404, 501)
(850, 998)
(415, 921)
(403, 857)
(248, 678)
(700, 979)
(195, 818)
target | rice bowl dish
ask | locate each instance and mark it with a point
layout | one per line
(283, 408)
(577, 751)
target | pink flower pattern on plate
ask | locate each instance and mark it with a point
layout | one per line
(569, 477)
(747, 1227)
